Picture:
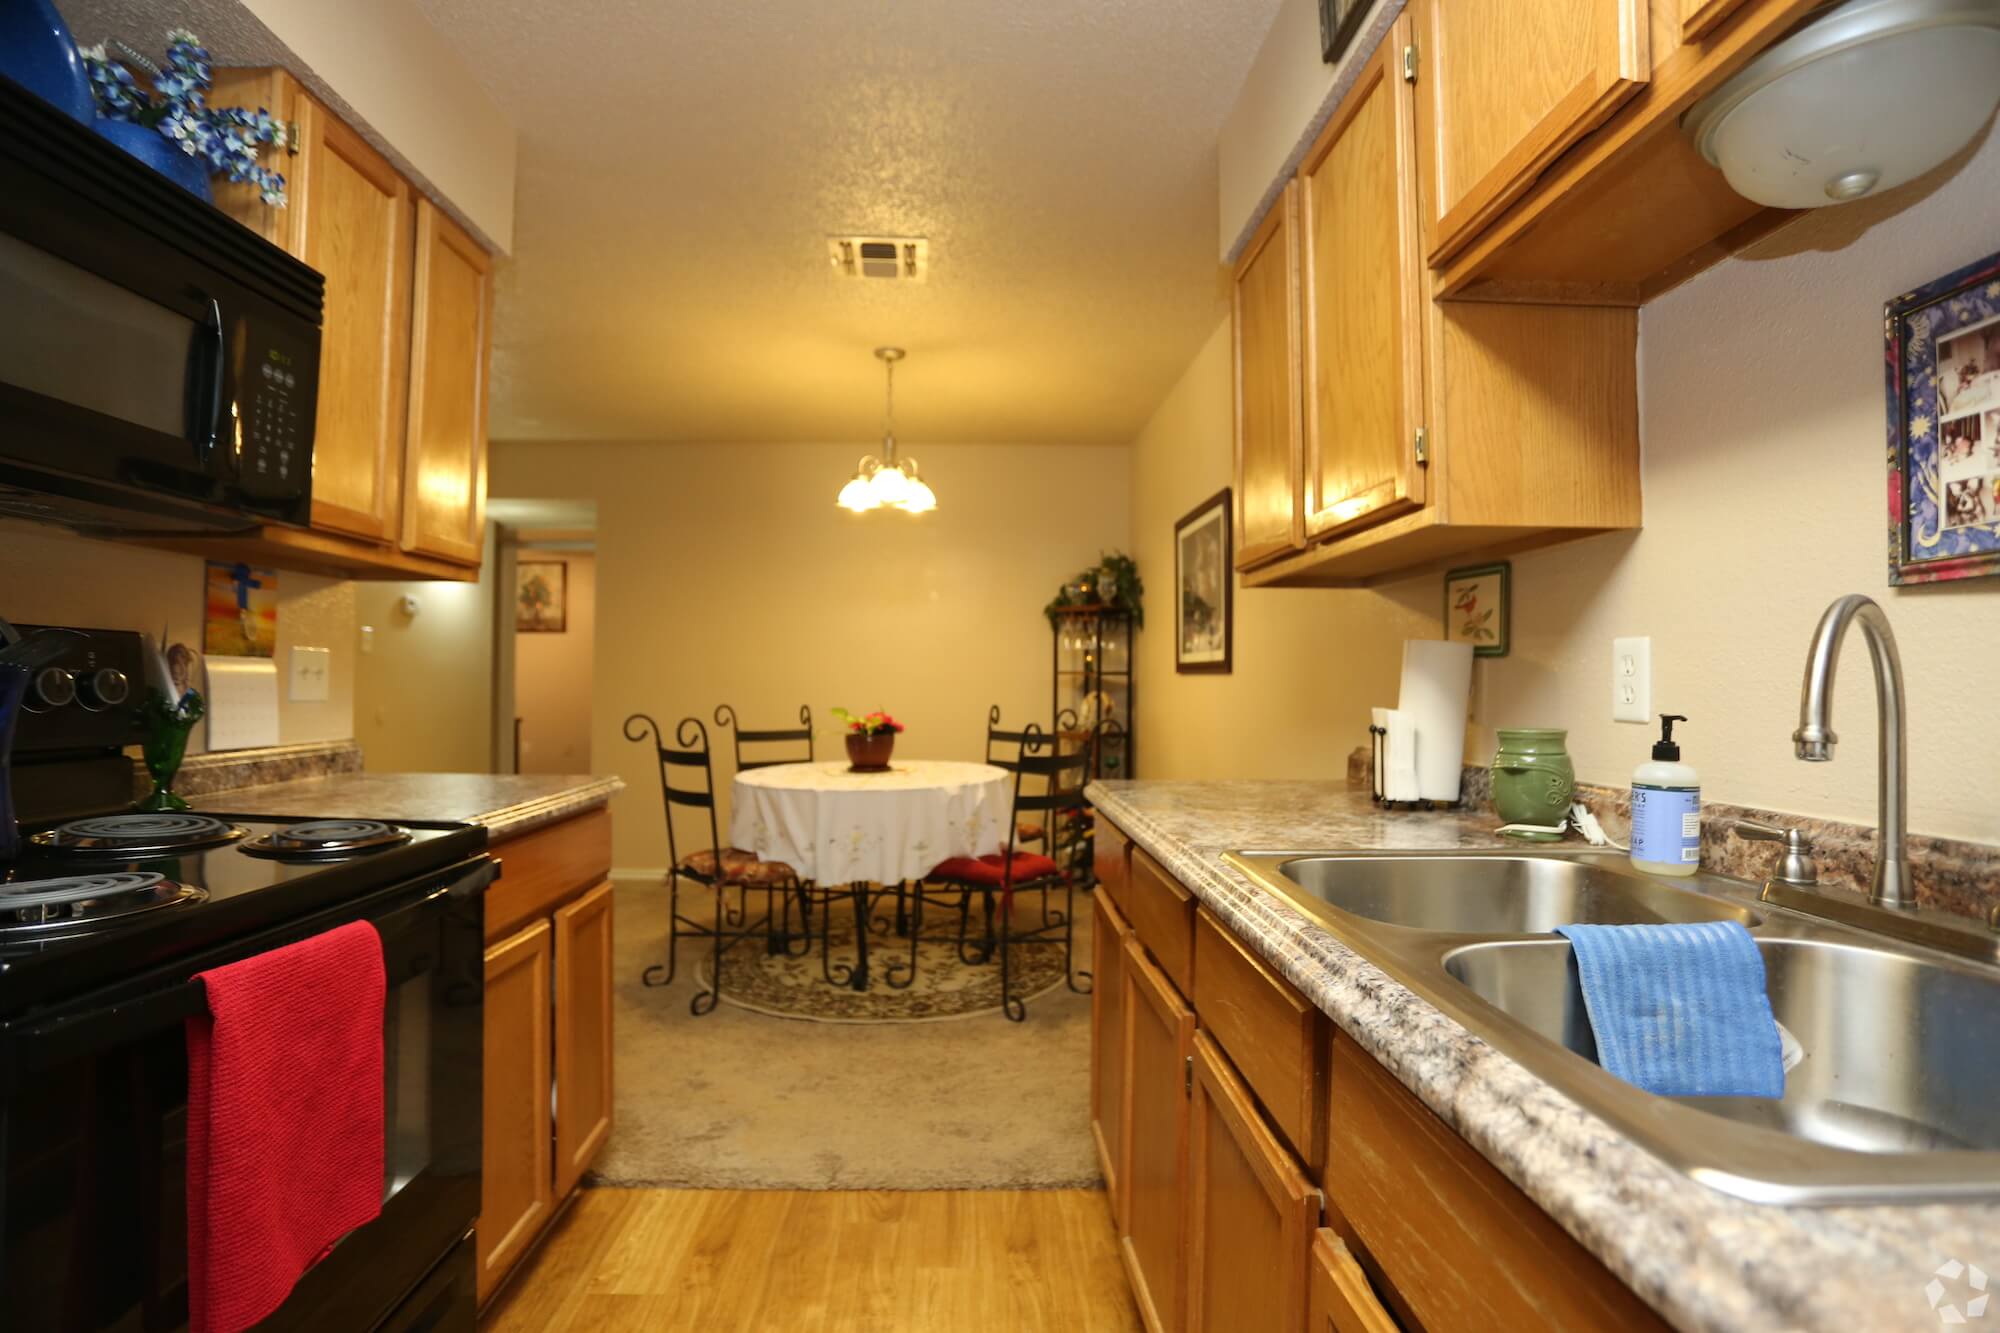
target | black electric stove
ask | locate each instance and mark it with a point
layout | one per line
(95, 899)
(108, 917)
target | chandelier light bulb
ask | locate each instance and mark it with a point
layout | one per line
(889, 482)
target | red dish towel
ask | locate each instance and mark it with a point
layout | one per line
(284, 1120)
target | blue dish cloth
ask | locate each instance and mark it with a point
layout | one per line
(1680, 1010)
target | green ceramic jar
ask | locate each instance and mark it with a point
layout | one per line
(1533, 779)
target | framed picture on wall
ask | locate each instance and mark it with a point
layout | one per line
(541, 596)
(1339, 20)
(1943, 365)
(1476, 609)
(1204, 605)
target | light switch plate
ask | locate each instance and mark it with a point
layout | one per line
(309, 676)
(1632, 680)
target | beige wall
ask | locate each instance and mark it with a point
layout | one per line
(408, 81)
(727, 575)
(1304, 658)
(50, 576)
(553, 673)
(423, 698)
(1762, 417)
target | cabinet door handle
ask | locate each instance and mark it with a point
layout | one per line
(1187, 1076)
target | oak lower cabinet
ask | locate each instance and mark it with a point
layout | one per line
(517, 1184)
(548, 1088)
(1107, 1045)
(1338, 1297)
(582, 1033)
(1273, 1176)
(1159, 1045)
(1250, 1210)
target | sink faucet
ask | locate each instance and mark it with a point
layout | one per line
(1814, 739)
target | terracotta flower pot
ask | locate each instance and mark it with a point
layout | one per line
(870, 754)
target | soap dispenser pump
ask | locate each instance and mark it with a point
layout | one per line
(1666, 808)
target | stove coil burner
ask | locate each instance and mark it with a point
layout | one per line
(87, 900)
(136, 835)
(325, 839)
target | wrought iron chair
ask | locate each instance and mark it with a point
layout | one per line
(1004, 874)
(714, 866)
(762, 756)
(725, 716)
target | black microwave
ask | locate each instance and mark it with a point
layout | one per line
(159, 362)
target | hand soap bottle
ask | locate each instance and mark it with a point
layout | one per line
(1666, 809)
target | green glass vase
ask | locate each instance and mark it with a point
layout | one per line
(165, 745)
(1533, 779)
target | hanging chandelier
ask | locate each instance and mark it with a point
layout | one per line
(887, 482)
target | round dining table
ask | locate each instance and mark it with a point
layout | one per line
(839, 827)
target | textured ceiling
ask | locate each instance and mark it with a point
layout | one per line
(683, 164)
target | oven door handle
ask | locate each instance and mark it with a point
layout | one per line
(407, 950)
(79, 1035)
(205, 384)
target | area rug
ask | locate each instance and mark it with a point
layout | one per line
(744, 1100)
(941, 987)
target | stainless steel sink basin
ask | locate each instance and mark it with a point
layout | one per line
(1897, 1049)
(1897, 1096)
(1498, 895)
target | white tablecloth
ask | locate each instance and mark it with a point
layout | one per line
(837, 827)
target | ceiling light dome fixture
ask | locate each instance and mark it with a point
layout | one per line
(1860, 98)
(887, 482)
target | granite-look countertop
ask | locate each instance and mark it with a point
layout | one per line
(1704, 1260)
(508, 804)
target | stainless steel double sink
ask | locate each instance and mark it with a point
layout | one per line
(1896, 1097)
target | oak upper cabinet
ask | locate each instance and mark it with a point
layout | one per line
(1701, 17)
(351, 215)
(1338, 1297)
(1365, 454)
(358, 221)
(1159, 1043)
(517, 1190)
(1251, 1210)
(1107, 1035)
(1506, 86)
(444, 475)
(583, 1033)
(1264, 308)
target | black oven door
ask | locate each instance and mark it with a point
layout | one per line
(93, 1205)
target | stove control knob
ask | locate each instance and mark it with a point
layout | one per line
(55, 687)
(105, 687)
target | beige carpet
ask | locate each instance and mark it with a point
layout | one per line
(742, 1100)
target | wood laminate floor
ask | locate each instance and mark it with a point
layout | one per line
(825, 1261)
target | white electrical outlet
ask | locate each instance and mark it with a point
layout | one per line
(310, 669)
(1632, 680)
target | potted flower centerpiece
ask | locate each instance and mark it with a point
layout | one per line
(871, 738)
(173, 129)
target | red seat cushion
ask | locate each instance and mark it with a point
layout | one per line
(991, 871)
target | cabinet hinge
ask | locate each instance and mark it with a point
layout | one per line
(1187, 1076)
(1410, 63)
(291, 138)
(1423, 447)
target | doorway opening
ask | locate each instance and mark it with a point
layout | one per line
(545, 634)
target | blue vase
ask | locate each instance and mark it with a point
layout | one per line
(159, 153)
(13, 684)
(37, 52)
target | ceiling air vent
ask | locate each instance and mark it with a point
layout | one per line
(892, 258)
